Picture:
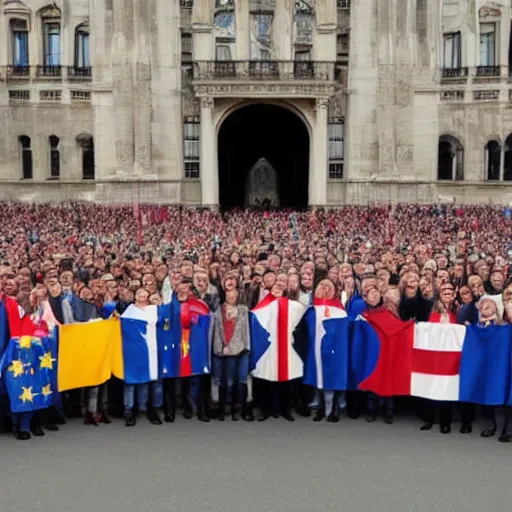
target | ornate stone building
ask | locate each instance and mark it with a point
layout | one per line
(336, 101)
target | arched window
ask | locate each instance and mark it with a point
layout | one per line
(82, 49)
(304, 21)
(450, 163)
(19, 45)
(86, 142)
(54, 157)
(492, 160)
(51, 20)
(26, 157)
(507, 171)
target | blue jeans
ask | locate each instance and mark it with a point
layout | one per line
(143, 395)
(22, 420)
(230, 369)
(375, 401)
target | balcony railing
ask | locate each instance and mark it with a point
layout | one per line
(49, 71)
(454, 72)
(264, 70)
(343, 4)
(187, 3)
(79, 72)
(488, 71)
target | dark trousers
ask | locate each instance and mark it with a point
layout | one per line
(489, 413)
(275, 397)
(432, 409)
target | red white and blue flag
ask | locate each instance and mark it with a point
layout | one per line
(447, 362)
(327, 362)
(273, 356)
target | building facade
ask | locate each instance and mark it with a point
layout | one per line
(174, 101)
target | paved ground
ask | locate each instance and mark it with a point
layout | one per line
(274, 466)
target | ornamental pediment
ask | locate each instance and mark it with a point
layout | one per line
(491, 10)
(15, 7)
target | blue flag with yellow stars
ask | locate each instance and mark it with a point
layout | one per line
(28, 370)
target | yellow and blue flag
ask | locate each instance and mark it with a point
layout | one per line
(28, 370)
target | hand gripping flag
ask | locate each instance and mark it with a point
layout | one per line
(184, 339)
(327, 363)
(273, 356)
(27, 369)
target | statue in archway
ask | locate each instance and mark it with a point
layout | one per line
(261, 186)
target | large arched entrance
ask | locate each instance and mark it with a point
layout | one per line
(266, 137)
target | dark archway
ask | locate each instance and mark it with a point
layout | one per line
(270, 132)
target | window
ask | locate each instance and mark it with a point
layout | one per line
(82, 49)
(186, 49)
(452, 51)
(261, 36)
(336, 132)
(19, 34)
(88, 161)
(450, 162)
(507, 171)
(342, 48)
(26, 157)
(492, 160)
(191, 130)
(54, 157)
(225, 33)
(487, 44)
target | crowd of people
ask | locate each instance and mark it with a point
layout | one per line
(439, 263)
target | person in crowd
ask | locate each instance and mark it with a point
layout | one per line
(231, 350)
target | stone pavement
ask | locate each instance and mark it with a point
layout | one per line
(274, 466)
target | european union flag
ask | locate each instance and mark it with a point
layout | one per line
(28, 372)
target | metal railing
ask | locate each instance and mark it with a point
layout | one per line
(49, 71)
(343, 4)
(41, 73)
(187, 3)
(264, 70)
(488, 71)
(454, 72)
(79, 72)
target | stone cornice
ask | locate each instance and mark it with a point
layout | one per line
(264, 89)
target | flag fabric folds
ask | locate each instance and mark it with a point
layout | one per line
(27, 369)
(4, 328)
(140, 349)
(273, 356)
(183, 339)
(327, 363)
(88, 353)
(485, 366)
(392, 373)
(364, 352)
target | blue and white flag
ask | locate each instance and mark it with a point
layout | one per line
(140, 347)
(327, 363)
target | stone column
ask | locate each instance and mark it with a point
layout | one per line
(142, 88)
(202, 24)
(122, 71)
(208, 156)
(282, 29)
(102, 101)
(319, 145)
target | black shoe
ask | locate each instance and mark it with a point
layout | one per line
(288, 416)
(466, 429)
(264, 416)
(353, 414)
(426, 426)
(319, 416)
(51, 427)
(334, 417)
(21, 435)
(505, 438)
(37, 432)
(169, 418)
(187, 414)
(153, 416)
(388, 419)
(247, 414)
(129, 419)
(202, 417)
(445, 429)
(371, 417)
(488, 432)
